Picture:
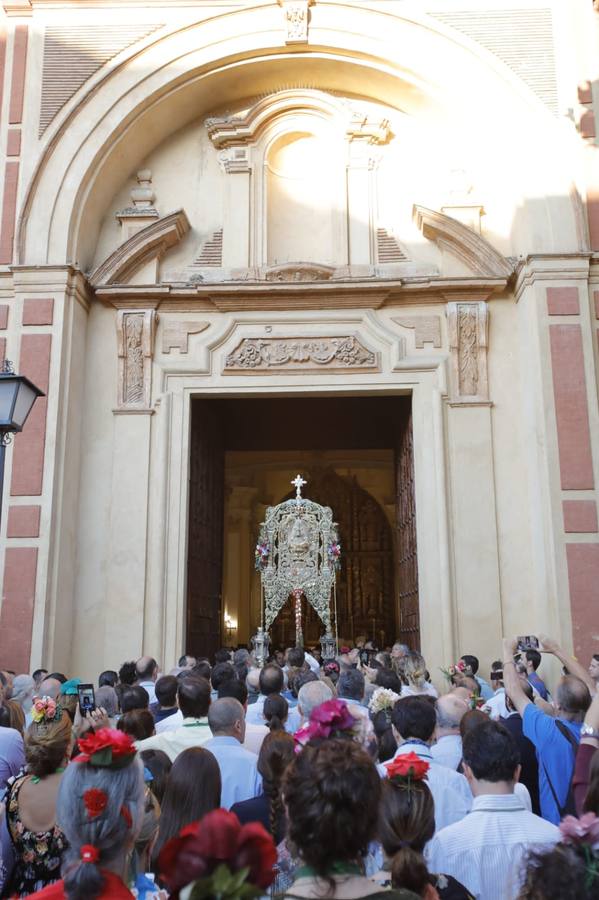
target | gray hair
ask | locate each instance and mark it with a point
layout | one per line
(350, 685)
(223, 714)
(23, 689)
(106, 697)
(110, 832)
(312, 695)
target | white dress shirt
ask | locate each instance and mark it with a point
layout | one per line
(486, 851)
(451, 792)
(448, 751)
(192, 733)
(170, 723)
(238, 770)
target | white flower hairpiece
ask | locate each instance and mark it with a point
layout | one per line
(382, 699)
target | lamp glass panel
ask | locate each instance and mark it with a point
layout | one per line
(8, 389)
(25, 400)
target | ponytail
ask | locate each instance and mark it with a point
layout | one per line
(409, 871)
(83, 880)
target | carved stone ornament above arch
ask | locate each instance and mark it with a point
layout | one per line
(472, 249)
(147, 244)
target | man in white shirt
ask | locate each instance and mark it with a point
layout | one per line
(447, 749)
(271, 681)
(238, 767)
(147, 672)
(486, 850)
(496, 707)
(193, 695)
(413, 722)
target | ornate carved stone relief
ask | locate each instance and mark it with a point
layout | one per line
(300, 271)
(265, 355)
(136, 330)
(427, 329)
(297, 20)
(175, 335)
(468, 329)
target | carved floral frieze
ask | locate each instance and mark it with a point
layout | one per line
(468, 329)
(300, 354)
(135, 336)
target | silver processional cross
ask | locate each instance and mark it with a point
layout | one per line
(298, 483)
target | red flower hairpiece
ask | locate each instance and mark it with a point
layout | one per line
(89, 853)
(407, 768)
(216, 848)
(108, 748)
(95, 801)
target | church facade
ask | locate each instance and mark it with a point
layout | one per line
(354, 239)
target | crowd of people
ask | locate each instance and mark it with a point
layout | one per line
(303, 778)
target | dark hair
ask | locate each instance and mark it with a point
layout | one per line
(491, 752)
(331, 792)
(37, 675)
(159, 764)
(275, 712)
(166, 691)
(202, 669)
(560, 874)
(193, 789)
(134, 696)
(109, 678)
(595, 656)
(387, 678)
(222, 656)
(271, 679)
(127, 673)
(534, 657)
(58, 676)
(381, 722)
(234, 688)
(194, 697)
(471, 662)
(276, 752)
(4, 716)
(470, 720)
(139, 723)
(221, 672)
(302, 678)
(296, 657)
(351, 685)
(591, 801)
(414, 717)
(406, 824)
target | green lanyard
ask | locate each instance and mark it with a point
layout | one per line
(195, 725)
(35, 779)
(338, 868)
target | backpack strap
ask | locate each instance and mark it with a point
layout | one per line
(568, 807)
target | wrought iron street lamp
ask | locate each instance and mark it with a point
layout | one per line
(17, 396)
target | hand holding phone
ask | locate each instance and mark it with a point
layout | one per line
(87, 699)
(527, 642)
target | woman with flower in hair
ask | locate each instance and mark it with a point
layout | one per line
(100, 808)
(406, 824)
(31, 800)
(570, 871)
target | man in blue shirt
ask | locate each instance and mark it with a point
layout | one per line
(555, 739)
(532, 659)
(238, 767)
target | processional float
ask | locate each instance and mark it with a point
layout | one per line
(297, 555)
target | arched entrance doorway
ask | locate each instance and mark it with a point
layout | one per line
(365, 583)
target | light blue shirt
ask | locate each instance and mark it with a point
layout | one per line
(238, 770)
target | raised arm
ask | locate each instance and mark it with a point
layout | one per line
(511, 679)
(548, 645)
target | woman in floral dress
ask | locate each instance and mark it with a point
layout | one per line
(31, 801)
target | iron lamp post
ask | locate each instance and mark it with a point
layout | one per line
(17, 396)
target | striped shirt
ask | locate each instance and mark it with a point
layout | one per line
(486, 850)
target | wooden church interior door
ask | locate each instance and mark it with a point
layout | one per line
(406, 554)
(205, 546)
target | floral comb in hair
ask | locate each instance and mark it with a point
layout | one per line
(107, 748)
(584, 834)
(330, 719)
(383, 700)
(45, 710)
(406, 769)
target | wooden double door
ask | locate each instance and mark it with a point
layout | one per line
(377, 587)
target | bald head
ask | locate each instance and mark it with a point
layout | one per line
(252, 680)
(227, 718)
(146, 669)
(450, 710)
(50, 687)
(572, 698)
(312, 695)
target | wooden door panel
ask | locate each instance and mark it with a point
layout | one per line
(406, 548)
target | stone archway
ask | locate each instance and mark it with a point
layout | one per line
(365, 583)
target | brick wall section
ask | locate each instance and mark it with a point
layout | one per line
(18, 599)
(28, 459)
(23, 522)
(583, 578)
(9, 211)
(19, 68)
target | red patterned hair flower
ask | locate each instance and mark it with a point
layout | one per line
(107, 748)
(95, 801)
(407, 767)
(89, 853)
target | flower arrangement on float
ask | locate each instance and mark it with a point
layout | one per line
(334, 554)
(218, 858)
(261, 556)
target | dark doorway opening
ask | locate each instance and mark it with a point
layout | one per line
(378, 585)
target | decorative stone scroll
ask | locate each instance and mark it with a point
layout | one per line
(136, 330)
(297, 20)
(265, 355)
(468, 329)
(427, 329)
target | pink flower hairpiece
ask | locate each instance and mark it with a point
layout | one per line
(330, 719)
(45, 710)
(583, 831)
